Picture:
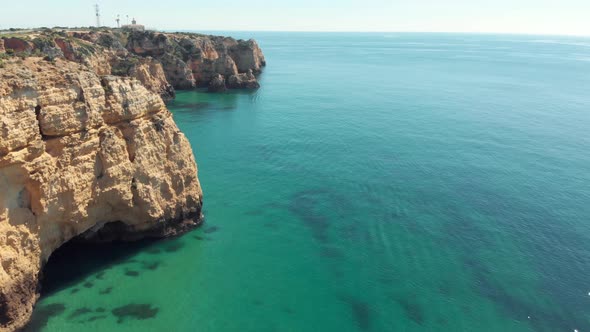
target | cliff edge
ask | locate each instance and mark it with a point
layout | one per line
(88, 148)
(162, 62)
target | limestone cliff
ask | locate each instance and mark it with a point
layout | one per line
(84, 153)
(161, 61)
(87, 146)
(191, 60)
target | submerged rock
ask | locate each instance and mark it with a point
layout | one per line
(135, 311)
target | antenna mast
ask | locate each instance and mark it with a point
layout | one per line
(97, 9)
(118, 21)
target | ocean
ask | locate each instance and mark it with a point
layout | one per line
(375, 182)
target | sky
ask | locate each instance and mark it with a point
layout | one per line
(561, 17)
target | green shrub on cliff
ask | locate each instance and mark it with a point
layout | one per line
(43, 42)
(106, 87)
(84, 48)
(111, 40)
(123, 66)
(106, 40)
(49, 58)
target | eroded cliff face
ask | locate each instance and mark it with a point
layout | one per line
(193, 60)
(162, 62)
(84, 154)
(151, 74)
(87, 146)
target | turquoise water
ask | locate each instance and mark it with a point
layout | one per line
(376, 182)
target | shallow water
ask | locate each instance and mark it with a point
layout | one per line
(376, 182)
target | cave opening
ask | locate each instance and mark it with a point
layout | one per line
(87, 264)
(80, 258)
(38, 117)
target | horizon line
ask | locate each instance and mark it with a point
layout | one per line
(393, 31)
(557, 34)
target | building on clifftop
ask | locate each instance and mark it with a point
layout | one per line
(133, 26)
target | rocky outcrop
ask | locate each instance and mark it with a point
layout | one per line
(193, 60)
(217, 84)
(81, 51)
(177, 72)
(247, 54)
(151, 74)
(2, 50)
(243, 81)
(84, 155)
(148, 43)
(18, 45)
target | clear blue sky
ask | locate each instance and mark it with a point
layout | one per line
(511, 16)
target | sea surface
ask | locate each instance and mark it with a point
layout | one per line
(375, 182)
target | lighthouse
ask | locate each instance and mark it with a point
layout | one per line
(133, 26)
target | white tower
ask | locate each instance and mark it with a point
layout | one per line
(97, 15)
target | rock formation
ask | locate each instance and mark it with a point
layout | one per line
(192, 60)
(243, 81)
(217, 84)
(18, 44)
(151, 74)
(85, 153)
(162, 62)
(87, 146)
